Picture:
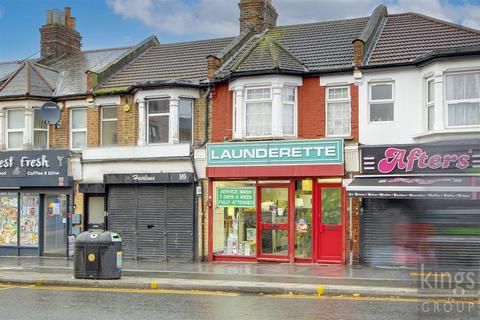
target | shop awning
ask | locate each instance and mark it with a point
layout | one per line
(433, 187)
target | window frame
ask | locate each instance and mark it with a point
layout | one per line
(429, 104)
(8, 131)
(372, 102)
(41, 130)
(341, 100)
(107, 120)
(72, 131)
(193, 119)
(246, 101)
(295, 111)
(446, 101)
(148, 115)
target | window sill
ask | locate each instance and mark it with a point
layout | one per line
(265, 139)
(340, 137)
(440, 135)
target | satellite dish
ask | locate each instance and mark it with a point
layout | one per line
(50, 113)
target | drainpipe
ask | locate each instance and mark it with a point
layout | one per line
(350, 202)
(205, 140)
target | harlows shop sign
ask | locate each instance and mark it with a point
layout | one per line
(459, 157)
(47, 168)
(290, 152)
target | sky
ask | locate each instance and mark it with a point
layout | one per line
(114, 23)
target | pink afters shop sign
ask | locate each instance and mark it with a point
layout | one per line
(451, 158)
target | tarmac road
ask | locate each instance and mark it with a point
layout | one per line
(72, 303)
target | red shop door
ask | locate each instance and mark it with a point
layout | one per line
(331, 233)
(273, 223)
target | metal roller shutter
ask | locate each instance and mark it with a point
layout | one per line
(151, 222)
(122, 208)
(156, 222)
(432, 232)
(180, 222)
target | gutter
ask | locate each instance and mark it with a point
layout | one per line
(234, 75)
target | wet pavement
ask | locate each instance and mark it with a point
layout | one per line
(289, 273)
(77, 303)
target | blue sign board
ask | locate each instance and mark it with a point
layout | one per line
(292, 152)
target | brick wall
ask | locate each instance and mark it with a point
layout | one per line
(59, 137)
(311, 109)
(355, 233)
(127, 125)
(222, 120)
(354, 107)
(93, 127)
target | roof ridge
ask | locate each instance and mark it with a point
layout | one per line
(14, 74)
(42, 77)
(321, 22)
(246, 54)
(196, 41)
(125, 67)
(101, 50)
(289, 53)
(373, 44)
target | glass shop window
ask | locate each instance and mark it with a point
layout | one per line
(234, 218)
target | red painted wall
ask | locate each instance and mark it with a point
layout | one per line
(222, 108)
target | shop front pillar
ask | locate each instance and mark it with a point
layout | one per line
(142, 123)
(173, 136)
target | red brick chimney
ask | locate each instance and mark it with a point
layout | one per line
(257, 14)
(58, 36)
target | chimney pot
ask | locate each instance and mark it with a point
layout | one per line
(67, 16)
(58, 35)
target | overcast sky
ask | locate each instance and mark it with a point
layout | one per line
(110, 23)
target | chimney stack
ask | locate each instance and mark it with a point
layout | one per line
(58, 36)
(258, 15)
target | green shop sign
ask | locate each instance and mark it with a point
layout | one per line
(236, 197)
(276, 153)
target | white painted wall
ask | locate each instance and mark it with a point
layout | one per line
(409, 125)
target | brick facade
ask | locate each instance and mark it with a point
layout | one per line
(59, 137)
(222, 108)
(354, 114)
(311, 109)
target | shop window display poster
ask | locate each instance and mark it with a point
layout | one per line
(29, 220)
(8, 220)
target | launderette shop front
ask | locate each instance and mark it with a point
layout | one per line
(276, 201)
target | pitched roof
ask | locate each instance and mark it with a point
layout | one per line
(405, 37)
(7, 68)
(30, 79)
(319, 46)
(267, 52)
(74, 68)
(184, 61)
